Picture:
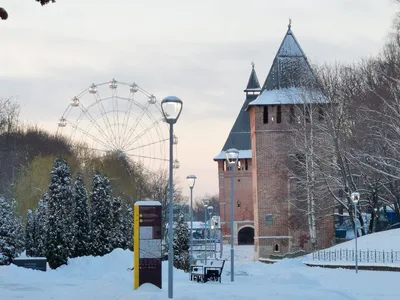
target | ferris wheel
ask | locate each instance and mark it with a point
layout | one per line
(121, 118)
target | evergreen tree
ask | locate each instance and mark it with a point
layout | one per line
(11, 232)
(30, 234)
(41, 226)
(101, 216)
(181, 243)
(118, 240)
(82, 219)
(127, 226)
(60, 227)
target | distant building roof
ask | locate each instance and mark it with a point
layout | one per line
(253, 84)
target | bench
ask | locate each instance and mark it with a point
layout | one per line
(211, 271)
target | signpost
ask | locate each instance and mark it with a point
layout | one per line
(147, 243)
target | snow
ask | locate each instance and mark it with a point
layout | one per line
(148, 203)
(290, 46)
(386, 241)
(242, 155)
(108, 277)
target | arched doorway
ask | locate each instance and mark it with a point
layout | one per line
(246, 236)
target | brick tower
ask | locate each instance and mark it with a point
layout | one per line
(239, 138)
(271, 120)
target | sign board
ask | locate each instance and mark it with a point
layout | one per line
(147, 243)
(35, 263)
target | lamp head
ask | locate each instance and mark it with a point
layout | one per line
(191, 180)
(355, 197)
(171, 108)
(206, 201)
(232, 156)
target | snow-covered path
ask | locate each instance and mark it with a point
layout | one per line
(108, 278)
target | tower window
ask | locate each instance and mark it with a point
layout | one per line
(276, 248)
(265, 115)
(279, 114)
(292, 115)
(269, 221)
(246, 164)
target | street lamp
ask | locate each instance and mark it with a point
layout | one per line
(355, 197)
(171, 108)
(191, 181)
(210, 210)
(232, 156)
(205, 204)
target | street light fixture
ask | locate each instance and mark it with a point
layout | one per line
(232, 156)
(355, 197)
(191, 181)
(206, 201)
(171, 108)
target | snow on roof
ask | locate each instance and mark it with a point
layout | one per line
(148, 203)
(294, 95)
(290, 46)
(242, 154)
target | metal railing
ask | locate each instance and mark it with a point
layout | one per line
(366, 256)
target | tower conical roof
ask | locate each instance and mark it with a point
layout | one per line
(289, 73)
(253, 84)
(290, 67)
(239, 136)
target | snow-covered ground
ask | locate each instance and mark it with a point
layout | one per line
(107, 277)
(370, 249)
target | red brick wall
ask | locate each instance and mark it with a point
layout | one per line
(271, 144)
(243, 195)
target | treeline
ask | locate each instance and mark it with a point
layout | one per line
(346, 139)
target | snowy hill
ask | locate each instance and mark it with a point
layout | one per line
(377, 249)
(107, 277)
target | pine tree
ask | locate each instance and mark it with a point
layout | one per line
(127, 226)
(11, 232)
(181, 243)
(30, 234)
(101, 216)
(41, 226)
(118, 240)
(82, 219)
(60, 225)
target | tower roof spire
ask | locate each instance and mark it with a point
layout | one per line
(253, 84)
(290, 23)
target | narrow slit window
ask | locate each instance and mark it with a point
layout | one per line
(279, 114)
(265, 115)
(246, 164)
(269, 221)
(276, 248)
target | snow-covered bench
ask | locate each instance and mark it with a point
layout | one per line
(207, 272)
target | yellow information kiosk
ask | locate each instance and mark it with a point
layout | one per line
(147, 243)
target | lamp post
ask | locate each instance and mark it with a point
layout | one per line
(171, 108)
(210, 210)
(232, 156)
(205, 204)
(355, 197)
(191, 181)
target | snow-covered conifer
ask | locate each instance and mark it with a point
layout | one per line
(11, 232)
(30, 234)
(181, 243)
(82, 219)
(41, 226)
(118, 240)
(60, 225)
(101, 216)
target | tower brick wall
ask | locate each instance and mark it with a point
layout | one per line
(243, 199)
(280, 226)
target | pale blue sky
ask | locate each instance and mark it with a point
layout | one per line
(198, 50)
